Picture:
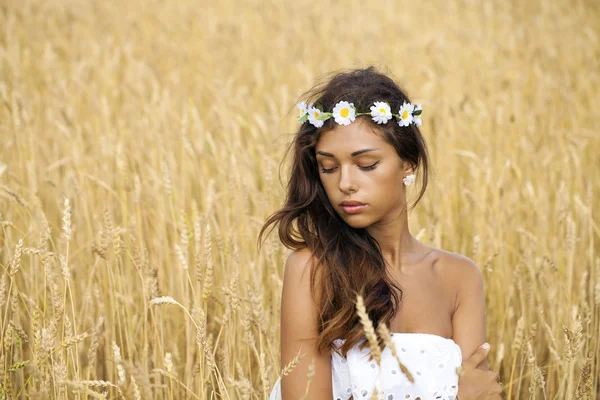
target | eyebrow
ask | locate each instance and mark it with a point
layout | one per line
(356, 153)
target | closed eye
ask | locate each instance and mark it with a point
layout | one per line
(367, 168)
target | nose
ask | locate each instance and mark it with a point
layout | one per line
(347, 183)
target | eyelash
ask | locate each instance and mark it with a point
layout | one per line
(367, 168)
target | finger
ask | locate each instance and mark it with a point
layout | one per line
(478, 356)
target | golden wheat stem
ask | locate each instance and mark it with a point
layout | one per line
(368, 328)
(24, 384)
(309, 375)
(170, 300)
(6, 311)
(387, 337)
(167, 374)
(74, 331)
(75, 358)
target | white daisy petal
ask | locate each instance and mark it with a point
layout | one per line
(344, 113)
(405, 113)
(418, 120)
(302, 109)
(313, 113)
(381, 112)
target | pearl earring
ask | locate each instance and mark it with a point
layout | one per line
(409, 180)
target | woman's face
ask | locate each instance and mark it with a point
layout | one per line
(372, 176)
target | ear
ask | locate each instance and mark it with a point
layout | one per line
(407, 168)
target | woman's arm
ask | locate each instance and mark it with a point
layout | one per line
(299, 319)
(476, 381)
(468, 319)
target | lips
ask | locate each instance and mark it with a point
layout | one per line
(351, 203)
(352, 207)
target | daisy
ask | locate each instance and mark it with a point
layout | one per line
(418, 120)
(381, 112)
(405, 113)
(313, 114)
(344, 113)
(303, 110)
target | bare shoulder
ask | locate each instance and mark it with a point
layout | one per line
(298, 267)
(456, 262)
(299, 262)
(458, 271)
(451, 263)
(299, 302)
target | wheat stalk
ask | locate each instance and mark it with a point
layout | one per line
(290, 365)
(384, 332)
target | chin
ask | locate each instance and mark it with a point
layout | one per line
(356, 222)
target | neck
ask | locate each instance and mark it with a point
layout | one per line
(398, 245)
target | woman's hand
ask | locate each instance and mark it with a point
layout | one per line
(475, 383)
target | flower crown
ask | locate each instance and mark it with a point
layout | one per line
(345, 113)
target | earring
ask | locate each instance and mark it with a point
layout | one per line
(409, 180)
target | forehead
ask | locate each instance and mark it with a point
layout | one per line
(345, 139)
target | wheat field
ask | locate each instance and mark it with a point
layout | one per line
(141, 151)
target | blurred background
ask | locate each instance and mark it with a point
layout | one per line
(141, 148)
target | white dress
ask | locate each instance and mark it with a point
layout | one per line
(431, 359)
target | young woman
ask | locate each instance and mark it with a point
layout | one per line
(356, 153)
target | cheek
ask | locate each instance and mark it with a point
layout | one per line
(388, 190)
(388, 182)
(329, 187)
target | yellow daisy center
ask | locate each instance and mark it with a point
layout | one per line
(316, 114)
(405, 114)
(344, 112)
(382, 110)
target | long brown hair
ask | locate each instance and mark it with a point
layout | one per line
(351, 259)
